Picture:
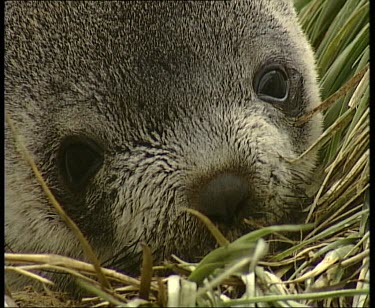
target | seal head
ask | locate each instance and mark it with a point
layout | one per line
(134, 111)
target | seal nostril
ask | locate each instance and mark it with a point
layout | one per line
(220, 198)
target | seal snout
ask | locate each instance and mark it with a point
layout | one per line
(222, 196)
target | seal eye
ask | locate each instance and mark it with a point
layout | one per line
(81, 159)
(272, 84)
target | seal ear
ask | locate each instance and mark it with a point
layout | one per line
(80, 159)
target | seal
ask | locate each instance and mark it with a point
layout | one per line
(134, 111)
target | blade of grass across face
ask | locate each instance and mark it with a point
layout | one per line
(88, 250)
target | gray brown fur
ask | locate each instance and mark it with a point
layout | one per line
(166, 89)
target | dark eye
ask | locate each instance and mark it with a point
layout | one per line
(272, 85)
(80, 160)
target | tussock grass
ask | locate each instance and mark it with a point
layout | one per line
(329, 265)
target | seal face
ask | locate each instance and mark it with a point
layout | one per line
(136, 110)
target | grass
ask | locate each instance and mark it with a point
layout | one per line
(329, 266)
